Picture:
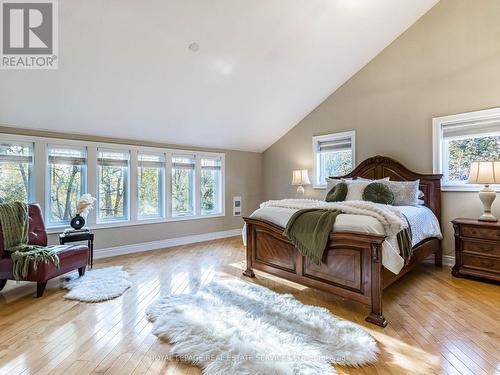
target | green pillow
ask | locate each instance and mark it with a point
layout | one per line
(378, 193)
(337, 193)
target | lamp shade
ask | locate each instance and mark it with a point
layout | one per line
(300, 177)
(484, 172)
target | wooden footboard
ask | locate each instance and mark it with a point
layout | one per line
(352, 267)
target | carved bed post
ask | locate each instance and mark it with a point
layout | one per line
(250, 248)
(376, 316)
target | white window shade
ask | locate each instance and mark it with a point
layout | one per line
(66, 156)
(16, 153)
(151, 160)
(183, 162)
(214, 164)
(341, 144)
(113, 158)
(471, 129)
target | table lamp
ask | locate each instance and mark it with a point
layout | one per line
(300, 178)
(485, 173)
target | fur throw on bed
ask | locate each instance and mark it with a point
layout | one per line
(391, 218)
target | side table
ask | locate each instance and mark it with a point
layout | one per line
(68, 237)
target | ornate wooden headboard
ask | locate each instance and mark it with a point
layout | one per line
(380, 166)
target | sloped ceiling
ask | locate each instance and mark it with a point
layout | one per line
(125, 69)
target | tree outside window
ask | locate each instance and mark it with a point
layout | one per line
(16, 163)
(151, 169)
(211, 185)
(67, 174)
(183, 186)
(112, 171)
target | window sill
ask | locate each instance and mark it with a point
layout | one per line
(467, 188)
(120, 224)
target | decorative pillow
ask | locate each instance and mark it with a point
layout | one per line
(338, 193)
(420, 194)
(331, 182)
(420, 202)
(378, 193)
(405, 192)
(355, 190)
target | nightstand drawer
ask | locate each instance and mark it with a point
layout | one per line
(483, 263)
(487, 249)
(484, 233)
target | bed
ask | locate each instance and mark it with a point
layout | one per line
(353, 267)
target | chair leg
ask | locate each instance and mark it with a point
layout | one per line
(81, 271)
(40, 288)
(2, 284)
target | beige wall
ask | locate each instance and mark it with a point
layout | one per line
(243, 177)
(446, 63)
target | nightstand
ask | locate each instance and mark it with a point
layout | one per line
(477, 249)
(67, 237)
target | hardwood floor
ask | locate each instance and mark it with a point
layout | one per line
(438, 323)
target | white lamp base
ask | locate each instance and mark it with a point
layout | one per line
(487, 196)
(300, 190)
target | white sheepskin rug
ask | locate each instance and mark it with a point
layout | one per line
(234, 327)
(98, 285)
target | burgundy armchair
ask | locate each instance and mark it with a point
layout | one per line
(71, 257)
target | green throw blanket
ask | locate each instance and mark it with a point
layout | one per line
(404, 239)
(14, 222)
(309, 229)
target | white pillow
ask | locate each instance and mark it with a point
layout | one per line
(355, 190)
(405, 192)
(331, 182)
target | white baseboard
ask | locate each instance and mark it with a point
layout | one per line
(169, 242)
(448, 260)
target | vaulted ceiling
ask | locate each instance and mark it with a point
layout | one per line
(126, 69)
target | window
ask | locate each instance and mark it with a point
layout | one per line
(183, 185)
(112, 185)
(211, 186)
(67, 181)
(333, 156)
(16, 164)
(461, 139)
(151, 171)
(167, 184)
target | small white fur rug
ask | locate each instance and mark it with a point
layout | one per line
(234, 327)
(98, 285)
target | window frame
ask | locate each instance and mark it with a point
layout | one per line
(194, 183)
(83, 183)
(126, 187)
(222, 184)
(439, 146)
(330, 137)
(162, 185)
(21, 141)
(38, 188)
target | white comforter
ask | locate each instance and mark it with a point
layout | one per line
(423, 224)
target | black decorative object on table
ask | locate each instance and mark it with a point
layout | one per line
(77, 222)
(77, 236)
